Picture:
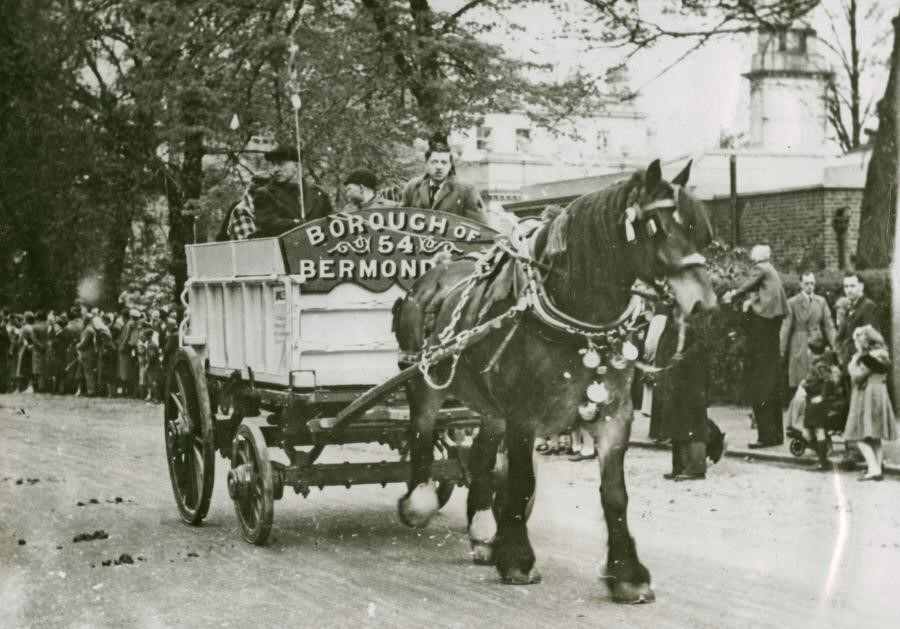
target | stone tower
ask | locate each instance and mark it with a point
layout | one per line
(788, 88)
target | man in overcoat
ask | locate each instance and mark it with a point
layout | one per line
(766, 307)
(808, 318)
(271, 204)
(438, 189)
(860, 311)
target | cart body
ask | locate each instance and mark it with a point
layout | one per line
(299, 326)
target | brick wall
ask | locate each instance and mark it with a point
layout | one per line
(797, 224)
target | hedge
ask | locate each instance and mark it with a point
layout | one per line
(728, 268)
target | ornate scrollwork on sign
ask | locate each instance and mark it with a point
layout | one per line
(430, 246)
(377, 248)
(363, 244)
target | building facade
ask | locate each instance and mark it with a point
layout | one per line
(508, 151)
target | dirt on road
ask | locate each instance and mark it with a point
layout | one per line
(90, 537)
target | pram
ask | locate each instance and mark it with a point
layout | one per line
(835, 419)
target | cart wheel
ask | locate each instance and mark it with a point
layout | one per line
(501, 477)
(797, 446)
(190, 442)
(250, 484)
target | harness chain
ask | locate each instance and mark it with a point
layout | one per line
(452, 344)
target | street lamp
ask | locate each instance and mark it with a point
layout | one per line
(840, 222)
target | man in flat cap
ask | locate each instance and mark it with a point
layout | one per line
(271, 204)
(438, 189)
(361, 186)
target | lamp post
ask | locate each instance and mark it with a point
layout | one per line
(840, 222)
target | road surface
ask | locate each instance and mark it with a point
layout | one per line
(755, 545)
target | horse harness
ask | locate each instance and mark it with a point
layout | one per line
(613, 339)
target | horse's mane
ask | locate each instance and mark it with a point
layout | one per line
(585, 240)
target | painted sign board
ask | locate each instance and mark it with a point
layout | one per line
(378, 247)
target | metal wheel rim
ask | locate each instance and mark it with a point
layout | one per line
(187, 467)
(188, 432)
(254, 511)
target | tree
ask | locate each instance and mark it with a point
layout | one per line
(60, 182)
(878, 213)
(855, 39)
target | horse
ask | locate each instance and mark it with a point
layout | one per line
(546, 328)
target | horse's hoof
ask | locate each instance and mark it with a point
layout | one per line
(514, 576)
(632, 593)
(416, 508)
(482, 553)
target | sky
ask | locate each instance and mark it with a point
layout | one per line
(689, 105)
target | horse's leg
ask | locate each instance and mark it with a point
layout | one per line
(482, 460)
(421, 501)
(629, 579)
(513, 554)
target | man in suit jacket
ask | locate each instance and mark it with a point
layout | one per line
(808, 318)
(766, 306)
(438, 189)
(860, 311)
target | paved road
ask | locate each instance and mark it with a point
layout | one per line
(756, 545)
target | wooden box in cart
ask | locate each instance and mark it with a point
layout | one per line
(296, 331)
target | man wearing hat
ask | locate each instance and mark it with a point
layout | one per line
(438, 188)
(271, 204)
(361, 186)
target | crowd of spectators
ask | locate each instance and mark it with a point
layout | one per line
(87, 351)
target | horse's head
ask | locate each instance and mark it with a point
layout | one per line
(665, 229)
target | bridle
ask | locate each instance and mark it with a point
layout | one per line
(542, 306)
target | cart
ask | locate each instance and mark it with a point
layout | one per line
(286, 343)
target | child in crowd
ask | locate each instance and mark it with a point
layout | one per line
(824, 398)
(871, 418)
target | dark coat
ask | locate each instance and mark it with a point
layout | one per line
(826, 403)
(858, 314)
(767, 298)
(453, 197)
(41, 339)
(680, 392)
(276, 207)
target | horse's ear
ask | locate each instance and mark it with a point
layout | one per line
(653, 175)
(681, 178)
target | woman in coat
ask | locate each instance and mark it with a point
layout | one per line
(871, 418)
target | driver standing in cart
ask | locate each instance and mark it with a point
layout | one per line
(439, 189)
(270, 205)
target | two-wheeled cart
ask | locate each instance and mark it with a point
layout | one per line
(287, 344)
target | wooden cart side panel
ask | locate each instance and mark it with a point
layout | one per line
(239, 319)
(345, 335)
(256, 257)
